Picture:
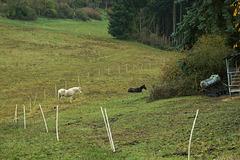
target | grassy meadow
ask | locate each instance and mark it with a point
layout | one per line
(37, 56)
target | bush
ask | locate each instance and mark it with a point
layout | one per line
(152, 39)
(170, 71)
(20, 11)
(93, 14)
(80, 15)
(206, 57)
(183, 78)
(174, 88)
(172, 83)
(50, 13)
(48, 9)
(64, 11)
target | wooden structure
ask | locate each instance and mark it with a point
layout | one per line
(233, 72)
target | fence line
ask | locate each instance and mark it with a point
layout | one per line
(125, 70)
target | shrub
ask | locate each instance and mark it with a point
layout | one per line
(48, 9)
(206, 57)
(183, 86)
(170, 71)
(92, 13)
(183, 78)
(172, 83)
(64, 11)
(20, 11)
(50, 13)
(152, 39)
(80, 15)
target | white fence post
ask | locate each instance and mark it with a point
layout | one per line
(78, 81)
(44, 93)
(65, 84)
(105, 118)
(30, 107)
(55, 89)
(190, 139)
(35, 99)
(119, 69)
(57, 123)
(110, 133)
(15, 117)
(43, 118)
(24, 117)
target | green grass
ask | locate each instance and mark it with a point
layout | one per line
(48, 52)
(93, 27)
(36, 59)
(157, 130)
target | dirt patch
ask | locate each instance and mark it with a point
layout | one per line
(212, 99)
(131, 143)
(230, 99)
(175, 153)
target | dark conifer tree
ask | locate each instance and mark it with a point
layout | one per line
(121, 19)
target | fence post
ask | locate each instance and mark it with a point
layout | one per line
(110, 133)
(55, 89)
(190, 139)
(43, 118)
(44, 93)
(15, 117)
(30, 105)
(35, 98)
(105, 119)
(119, 69)
(24, 117)
(65, 84)
(78, 81)
(57, 123)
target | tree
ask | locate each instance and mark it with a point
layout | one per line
(48, 9)
(36, 5)
(144, 19)
(236, 15)
(64, 11)
(121, 19)
(19, 10)
(206, 17)
(76, 4)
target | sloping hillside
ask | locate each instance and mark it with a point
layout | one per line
(158, 130)
(37, 57)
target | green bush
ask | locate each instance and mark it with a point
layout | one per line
(183, 79)
(80, 15)
(48, 9)
(206, 56)
(20, 11)
(174, 88)
(64, 11)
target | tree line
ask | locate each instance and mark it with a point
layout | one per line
(70, 9)
(158, 23)
(173, 22)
